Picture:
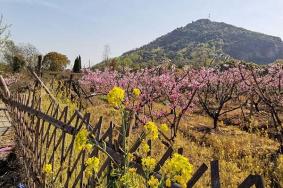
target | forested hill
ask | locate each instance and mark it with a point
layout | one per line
(203, 40)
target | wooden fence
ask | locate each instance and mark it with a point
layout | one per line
(48, 137)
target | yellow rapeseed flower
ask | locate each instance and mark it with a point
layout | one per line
(153, 182)
(178, 169)
(136, 92)
(130, 179)
(116, 96)
(92, 165)
(144, 147)
(168, 182)
(81, 139)
(151, 130)
(47, 169)
(181, 180)
(132, 170)
(148, 164)
(164, 127)
(130, 157)
(88, 147)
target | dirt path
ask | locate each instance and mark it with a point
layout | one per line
(7, 141)
(10, 167)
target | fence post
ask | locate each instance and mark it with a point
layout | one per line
(149, 143)
(197, 175)
(215, 178)
(6, 89)
(39, 66)
(43, 85)
(181, 151)
(70, 82)
(252, 180)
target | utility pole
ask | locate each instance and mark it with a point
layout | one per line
(106, 53)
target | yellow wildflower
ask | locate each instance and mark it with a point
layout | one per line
(47, 169)
(148, 164)
(130, 157)
(116, 96)
(178, 168)
(81, 139)
(88, 147)
(92, 165)
(151, 130)
(144, 147)
(136, 92)
(168, 182)
(130, 178)
(181, 180)
(164, 127)
(153, 182)
(132, 170)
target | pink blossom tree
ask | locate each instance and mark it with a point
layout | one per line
(220, 87)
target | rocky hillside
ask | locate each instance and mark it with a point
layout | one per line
(204, 40)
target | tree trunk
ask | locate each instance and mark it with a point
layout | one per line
(256, 107)
(215, 119)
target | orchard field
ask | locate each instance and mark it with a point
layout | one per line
(232, 113)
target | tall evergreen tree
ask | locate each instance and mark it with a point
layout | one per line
(80, 62)
(77, 65)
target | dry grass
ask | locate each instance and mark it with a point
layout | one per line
(240, 153)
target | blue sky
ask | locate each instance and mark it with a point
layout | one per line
(84, 27)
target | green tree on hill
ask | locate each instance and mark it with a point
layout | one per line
(54, 61)
(19, 56)
(18, 63)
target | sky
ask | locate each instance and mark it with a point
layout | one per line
(84, 27)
